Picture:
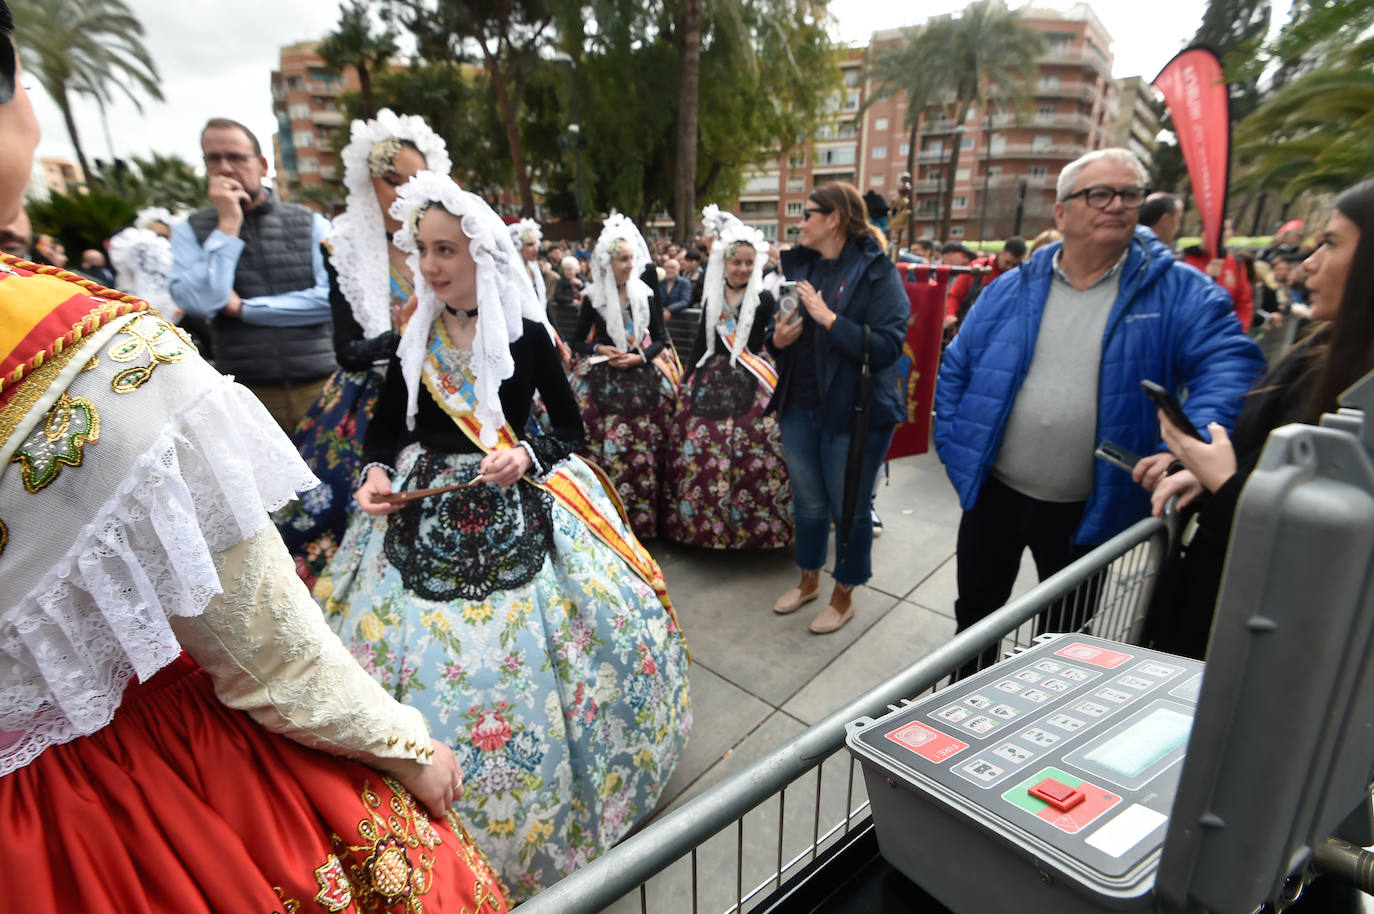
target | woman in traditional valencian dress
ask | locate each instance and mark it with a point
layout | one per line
(142, 258)
(627, 384)
(179, 730)
(517, 611)
(727, 480)
(369, 288)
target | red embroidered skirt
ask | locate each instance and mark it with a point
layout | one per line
(184, 805)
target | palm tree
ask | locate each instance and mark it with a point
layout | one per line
(352, 44)
(903, 69)
(85, 47)
(986, 51)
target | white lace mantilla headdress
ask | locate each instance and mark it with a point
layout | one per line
(714, 220)
(358, 242)
(149, 216)
(619, 231)
(504, 295)
(527, 231)
(732, 234)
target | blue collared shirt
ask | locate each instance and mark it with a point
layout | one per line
(203, 278)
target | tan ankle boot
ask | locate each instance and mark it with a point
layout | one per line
(840, 611)
(808, 590)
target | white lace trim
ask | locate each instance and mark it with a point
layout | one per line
(731, 232)
(504, 295)
(99, 616)
(605, 301)
(142, 260)
(358, 244)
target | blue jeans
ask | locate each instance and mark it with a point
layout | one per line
(816, 463)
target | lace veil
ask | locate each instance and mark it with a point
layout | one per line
(620, 230)
(504, 294)
(730, 233)
(358, 242)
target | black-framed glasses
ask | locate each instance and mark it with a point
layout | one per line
(1100, 196)
(233, 158)
(9, 67)
(818, 211)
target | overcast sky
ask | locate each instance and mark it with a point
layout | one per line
(216, 59)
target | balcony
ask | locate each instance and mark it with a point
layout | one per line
(1067, 152)
(328, 118)
(1076, 59)
(1084, 92)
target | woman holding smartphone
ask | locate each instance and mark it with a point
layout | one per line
(851, 300)
(1302, 386)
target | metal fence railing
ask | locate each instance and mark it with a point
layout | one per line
(728, 846)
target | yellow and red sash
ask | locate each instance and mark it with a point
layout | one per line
(562, 484)
(756, 365)
(47, 316)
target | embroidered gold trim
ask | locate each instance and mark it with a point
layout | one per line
(93, 364)
(53, 446)
(33, 389)
(150, 338)
(336, 893)
(4, 536)
(289, 905)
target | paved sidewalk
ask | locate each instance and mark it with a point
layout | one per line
(759, 679)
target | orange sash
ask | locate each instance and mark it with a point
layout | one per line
(757, 366)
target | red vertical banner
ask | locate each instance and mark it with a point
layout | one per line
(1200, 105)
(920, 359)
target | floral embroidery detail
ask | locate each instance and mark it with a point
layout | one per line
(71, 424)
(153, 338)
(335, 894)
(388, 870)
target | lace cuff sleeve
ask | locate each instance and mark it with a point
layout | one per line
(547, 452)
(267, 648)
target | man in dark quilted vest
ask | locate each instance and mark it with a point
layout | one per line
(252, 266)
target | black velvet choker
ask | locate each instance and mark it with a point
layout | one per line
(734, 288)
(457, 311)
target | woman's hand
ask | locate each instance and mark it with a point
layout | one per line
(624, 360)
(1150, 470)
(437, 785)
(506, 466)
(1183, 484)
(400, 314)
(1212, 463)
(786, 329)
(815, 305)
(377, 483)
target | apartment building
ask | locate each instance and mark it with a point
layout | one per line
(305, 100)
(1008, 160)
(1136, 125)
(61, 176)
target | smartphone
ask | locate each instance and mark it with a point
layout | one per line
(788, 299)
(1165, 401)
(1117, 455)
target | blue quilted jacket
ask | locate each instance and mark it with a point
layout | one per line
(1170, 323)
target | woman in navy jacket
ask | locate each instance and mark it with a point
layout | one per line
(846, 283)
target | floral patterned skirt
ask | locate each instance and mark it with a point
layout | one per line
(553, 671)
(626, 414)
(183, 804)
(726, 482)
(330, 440)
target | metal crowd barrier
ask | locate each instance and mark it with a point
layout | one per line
(685, 859)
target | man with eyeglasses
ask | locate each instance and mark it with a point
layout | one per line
(253, 267)
(1048, 365)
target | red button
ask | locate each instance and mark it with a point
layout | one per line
(1059, 795)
